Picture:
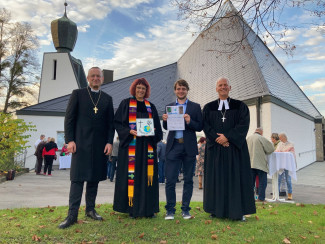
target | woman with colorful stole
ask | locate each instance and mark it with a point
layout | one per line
(136, 186)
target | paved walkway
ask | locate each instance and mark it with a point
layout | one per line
(30, 190)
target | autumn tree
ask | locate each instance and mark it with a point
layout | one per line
(265, 17)
(18, 63)
(13, 139)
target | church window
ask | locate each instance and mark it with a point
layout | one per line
(54, 69)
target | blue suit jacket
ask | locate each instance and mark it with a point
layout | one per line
(196, 124)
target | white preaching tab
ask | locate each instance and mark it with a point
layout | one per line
(175, 120)
(223, 102)
(145, 127)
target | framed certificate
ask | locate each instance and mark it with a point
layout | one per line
(145, 127)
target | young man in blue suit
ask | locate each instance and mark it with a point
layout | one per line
(181, 149)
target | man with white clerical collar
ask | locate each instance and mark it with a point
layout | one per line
(89, 133)
(181, 150)
(228, 191)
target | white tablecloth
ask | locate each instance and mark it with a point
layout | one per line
(65, 162)
(278, 161)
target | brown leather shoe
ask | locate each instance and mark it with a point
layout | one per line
(94, 215)
(289, 196)
(70, 220)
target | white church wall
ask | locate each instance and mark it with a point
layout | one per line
(47, 125)
(253, 121)
(299, 130)
(64, 81)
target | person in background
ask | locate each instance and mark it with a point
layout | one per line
(42, 137)
(64, 150)
(286, 146)
(259, 147)
(49, 154)
(200, 161)
(283, 192)
(114, 157)
(39, 156)
(161, 151)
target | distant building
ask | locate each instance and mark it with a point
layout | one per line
(275, 101)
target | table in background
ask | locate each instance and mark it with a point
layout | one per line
(65, 162)
(278, 162)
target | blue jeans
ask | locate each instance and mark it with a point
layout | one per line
(288, 180)
(161, 171)
(262, 177)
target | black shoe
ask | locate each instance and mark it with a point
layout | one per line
(94, 215)
(70, 220)
(282, 194)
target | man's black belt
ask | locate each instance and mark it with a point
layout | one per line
(180, 140)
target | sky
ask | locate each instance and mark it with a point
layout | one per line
(133, 36)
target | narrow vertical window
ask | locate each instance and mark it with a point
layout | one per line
(54, 69)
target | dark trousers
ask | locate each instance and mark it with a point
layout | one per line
(48, 163)
(76, 189)
(262, 177)
(174, 159)
(161, 171)
(39, 163)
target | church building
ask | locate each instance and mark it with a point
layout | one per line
(275, 101)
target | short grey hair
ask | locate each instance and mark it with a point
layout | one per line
(283, 134)
(223, 78)
(259, 129)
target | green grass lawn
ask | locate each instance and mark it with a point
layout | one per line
(273, 223)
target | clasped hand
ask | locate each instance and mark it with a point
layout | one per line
(222, 140)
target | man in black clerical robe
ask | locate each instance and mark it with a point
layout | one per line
(228, 191)
(89, 133)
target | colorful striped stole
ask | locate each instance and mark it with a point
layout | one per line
(132, 148)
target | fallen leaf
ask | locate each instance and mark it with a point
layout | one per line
(315, 213)
(207, 222)
(42, 226)
(155, 229)
(4, 215)
(297, 204)
(294, 213)
(257, 218)
(198, 208)
(46, 236)
(316, 237)
(177, 233)
(302, 205)
(141, 235)
(17, 225)
(11, 218)
(228, 227)
(36, 238)
(112, 213)
(213, 232)
(274, 213)
(78, 231)
(286, 240)
(270, 206)
(214, 237)
(51, 210)
(192, 217)
(7, 232)
(177, 221)
(310, 222)
(98, 205)
(163, 242)
(303, 237)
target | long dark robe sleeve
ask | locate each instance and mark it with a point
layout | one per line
(71, 118)
(146, 198)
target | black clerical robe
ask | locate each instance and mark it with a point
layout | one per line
(228, 191)
(91, 132)
(146, 198)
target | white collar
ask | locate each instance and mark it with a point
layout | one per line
(223, 102)
(94, 90)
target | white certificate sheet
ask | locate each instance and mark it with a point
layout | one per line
(145, 127)
(175, 120)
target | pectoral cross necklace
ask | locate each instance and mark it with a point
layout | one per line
(95, 105)
(223, 114)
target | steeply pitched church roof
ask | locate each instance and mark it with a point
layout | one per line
(252, 69)
(161, 81)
